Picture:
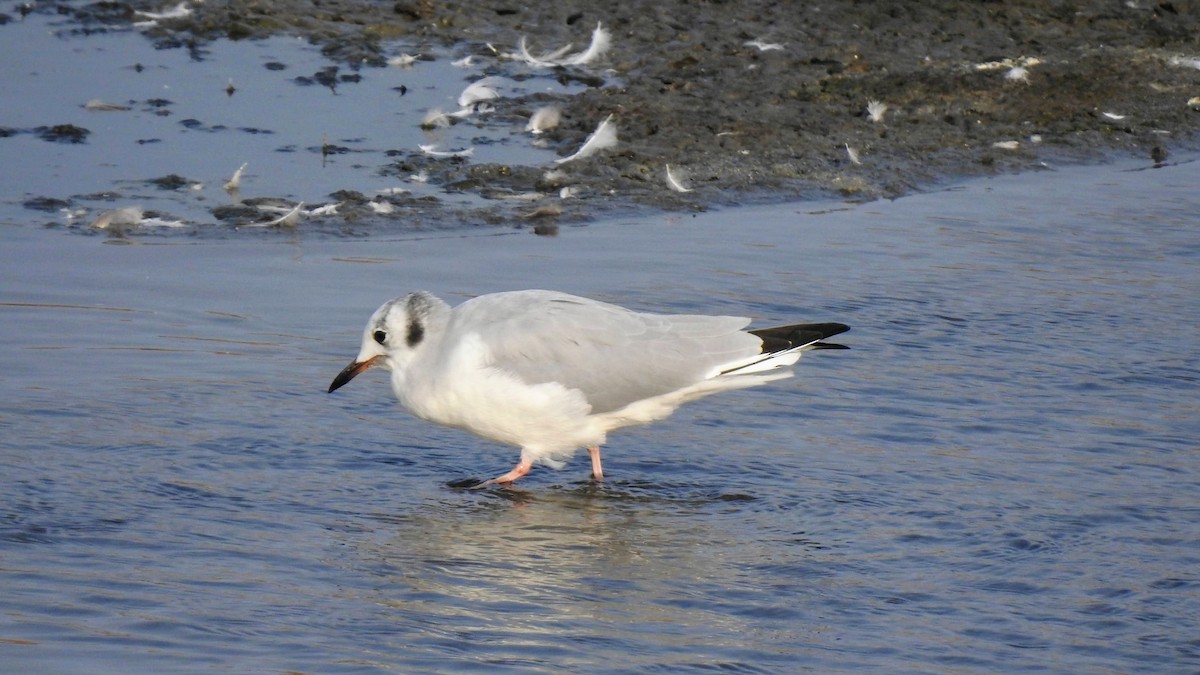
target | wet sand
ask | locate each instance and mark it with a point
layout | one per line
(759, 100)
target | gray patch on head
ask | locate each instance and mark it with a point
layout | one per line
(414, 309)
(419, 305)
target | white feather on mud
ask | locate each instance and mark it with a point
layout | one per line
(876, 110)
(677, 181)
(544, 119)
(853, 154)
(763, 45)
(605, 136)
(289, 219)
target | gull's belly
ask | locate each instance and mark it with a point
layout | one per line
(498, 406)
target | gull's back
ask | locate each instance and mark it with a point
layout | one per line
(613, 355)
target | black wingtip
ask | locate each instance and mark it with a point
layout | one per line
(780, 338)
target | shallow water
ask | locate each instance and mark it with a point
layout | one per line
(1000, 475)
(304, 127)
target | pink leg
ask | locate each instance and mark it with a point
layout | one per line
(519, 470)
(597, 471)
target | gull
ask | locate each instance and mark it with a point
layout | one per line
(551, 373)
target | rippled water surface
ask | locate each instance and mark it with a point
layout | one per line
(1000, 475)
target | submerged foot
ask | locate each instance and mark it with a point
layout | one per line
(597, 470)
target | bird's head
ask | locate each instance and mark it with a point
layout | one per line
(393, 335)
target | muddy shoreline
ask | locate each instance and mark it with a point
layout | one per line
(756, 100)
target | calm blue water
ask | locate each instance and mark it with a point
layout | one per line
(1000, 475)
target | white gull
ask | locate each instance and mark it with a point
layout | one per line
(551, 373)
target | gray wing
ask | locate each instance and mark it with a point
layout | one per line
(615, 356)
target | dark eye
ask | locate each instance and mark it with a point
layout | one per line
(379, 336)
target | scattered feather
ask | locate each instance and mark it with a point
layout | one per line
(1113, 116)
(601, 41)
(462, 113)
(236, 181)
(517, 196)
(762, 45)
(1008, 64)
(480, 90)
(676, 182)
(393, 191)
(1194, 103)
(96, 105)
(403, 60)
(1017, 74)
(568, 192)
(543, 119)
(1035, 138)
(432, 151)
(547, 60)
(1006, 145)
(435, 119)
(381, 207)
(465, 62)
(177, 12)
(128, 216)
(605, 136)
(420, 177)
(322, 211)
(289, 219)
(852, 154)
(160, 222)
(544, 211)
(1185, 61)
(72, 215)
(876, 110)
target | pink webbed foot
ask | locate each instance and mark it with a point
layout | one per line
(519, 470)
